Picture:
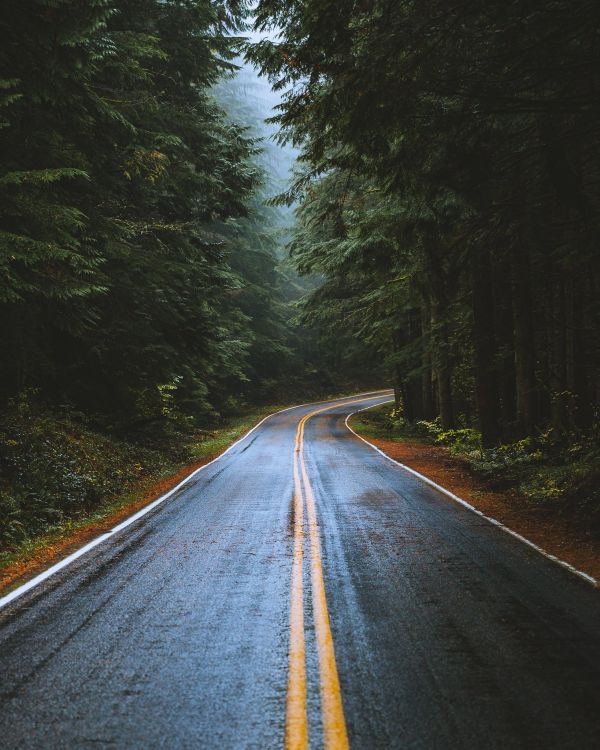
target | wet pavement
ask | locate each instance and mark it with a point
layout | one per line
(175, 632)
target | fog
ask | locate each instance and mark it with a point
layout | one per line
(250, 100)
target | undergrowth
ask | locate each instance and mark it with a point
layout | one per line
(561, 472)
(57, 467)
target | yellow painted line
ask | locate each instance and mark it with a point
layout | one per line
(332, 710)
(296, 724)
(335, 735)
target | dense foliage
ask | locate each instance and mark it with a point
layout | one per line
(144, 294)
(447, 219)
(55, 467)
(129, 283)
(451, 197)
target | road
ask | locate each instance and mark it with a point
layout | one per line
(304, 589)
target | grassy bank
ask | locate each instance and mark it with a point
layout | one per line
(63, 482)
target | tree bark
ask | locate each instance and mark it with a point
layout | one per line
(558, 360)
(443, 375)
(487, 392)
(524, 341)
(440, 337)
(426, 377)
(505, 342)
(580, 413)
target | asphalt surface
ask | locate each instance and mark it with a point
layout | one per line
(175, 633)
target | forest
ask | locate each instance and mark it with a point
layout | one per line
(439, 235)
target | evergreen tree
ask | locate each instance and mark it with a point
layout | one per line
(120, 176)
(481, 122)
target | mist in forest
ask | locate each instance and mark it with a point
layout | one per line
(248, 98)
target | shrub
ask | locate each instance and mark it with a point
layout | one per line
(53, 466)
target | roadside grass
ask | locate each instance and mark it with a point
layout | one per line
(50, 541)
(222, 438)
(63, 482)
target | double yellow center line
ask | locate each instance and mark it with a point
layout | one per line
(335, 735)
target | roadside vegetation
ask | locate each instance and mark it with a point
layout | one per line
(448, 194)
(560, 476)
(440, 234)
(61, 476)
(144, 299)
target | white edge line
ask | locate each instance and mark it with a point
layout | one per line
(16, 593)
(443, 490)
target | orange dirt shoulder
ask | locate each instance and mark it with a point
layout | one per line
(553, 533)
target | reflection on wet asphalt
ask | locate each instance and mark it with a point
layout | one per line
(174, 633)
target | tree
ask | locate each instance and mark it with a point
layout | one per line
(121, 177)
(483, 119)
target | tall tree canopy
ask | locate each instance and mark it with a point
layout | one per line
(451, 195)
(122, 182)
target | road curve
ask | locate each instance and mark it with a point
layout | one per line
(203, 624)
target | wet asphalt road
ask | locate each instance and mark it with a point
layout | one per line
(448, 632)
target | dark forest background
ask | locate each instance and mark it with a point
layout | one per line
(440, 233)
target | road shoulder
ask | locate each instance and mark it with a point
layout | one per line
(40, 553)
(556, 535)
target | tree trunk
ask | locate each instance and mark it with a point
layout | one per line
(503, 327)
(558, 360)
(398, 397)
(443, 375)
(524, 341)
(400, 401)
(440, 339)
(488, 401)
(414, 388)
(445, 397)
(580, 411)
(426, 377)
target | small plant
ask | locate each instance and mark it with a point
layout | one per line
(463, 440)
(430, 429)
